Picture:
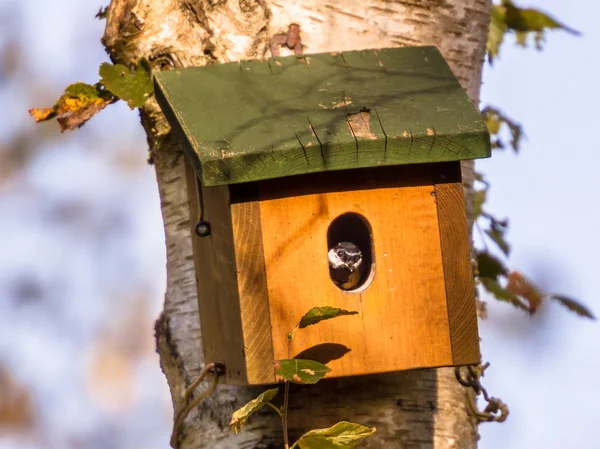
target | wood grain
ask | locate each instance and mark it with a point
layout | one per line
(216, 278)
(458, 274)
(403, 317)
(252, 287)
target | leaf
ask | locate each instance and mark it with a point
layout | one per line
(240, 416)
(82, 101)
(41, 114)
(497, 233)
(102, 13)
(527, 20)
(481, 178)
(519, 291)
(495, 121)
(490, 266)
(498, 28)
(523, 21)
(490, 269)
(574, 306)
(501, 294)
(133, 86)
(479, 197)
(497, 237)
(318, 314)
(342, 435)
(524, 288)
(77, 105)
(301, 371)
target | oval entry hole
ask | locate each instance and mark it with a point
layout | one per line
(347, 235)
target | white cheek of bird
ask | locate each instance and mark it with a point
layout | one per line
(345, 265)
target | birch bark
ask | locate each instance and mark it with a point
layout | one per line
(417, 409)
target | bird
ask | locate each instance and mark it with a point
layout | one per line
(346, 265)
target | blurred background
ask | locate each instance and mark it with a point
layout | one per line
(82, 264)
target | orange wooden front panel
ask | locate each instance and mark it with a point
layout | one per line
(403, 316)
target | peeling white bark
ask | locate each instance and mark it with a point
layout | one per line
(417, 409)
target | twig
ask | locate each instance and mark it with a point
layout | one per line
(211, 369)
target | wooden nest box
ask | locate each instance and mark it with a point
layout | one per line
(291, 156)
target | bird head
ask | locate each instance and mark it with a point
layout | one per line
(345, 255)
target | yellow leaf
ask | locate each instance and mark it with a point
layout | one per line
(41, 114)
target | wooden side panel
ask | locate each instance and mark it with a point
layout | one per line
(458, 273)
(215, 264)
(254, 300)
(403, 316)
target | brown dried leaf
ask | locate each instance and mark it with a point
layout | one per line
(16, 403)
(77, 118)
(522, 287)
(110, 378)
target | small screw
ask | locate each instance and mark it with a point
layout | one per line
(202, 228)
(218, 369)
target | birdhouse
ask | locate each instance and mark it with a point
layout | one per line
(329, 180)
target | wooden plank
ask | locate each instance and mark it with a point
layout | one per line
(258, 120)
(348, 180)
(458, 273)
(252, 285)
(215, 265)
(403, 316)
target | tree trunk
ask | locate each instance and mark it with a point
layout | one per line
(415, 409)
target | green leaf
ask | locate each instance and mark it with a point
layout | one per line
(133, 86)
(102, 13)
(518, 290)
(318, 314)
(498, 28)
(301, 371)
(497, 237)
(84, 92)
(574, 306)
(490, 266)
(342, 435)
(479, 197)
(502, 294)
(527, 20)
(495, 121)
(523, 21)
(497, 233)
(241, 415)
(481, 178)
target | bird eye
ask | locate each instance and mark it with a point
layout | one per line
(340, 253)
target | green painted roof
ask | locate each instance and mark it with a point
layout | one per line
(253, 120)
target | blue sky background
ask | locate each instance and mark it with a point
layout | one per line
(546, 367)
(81, 235)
